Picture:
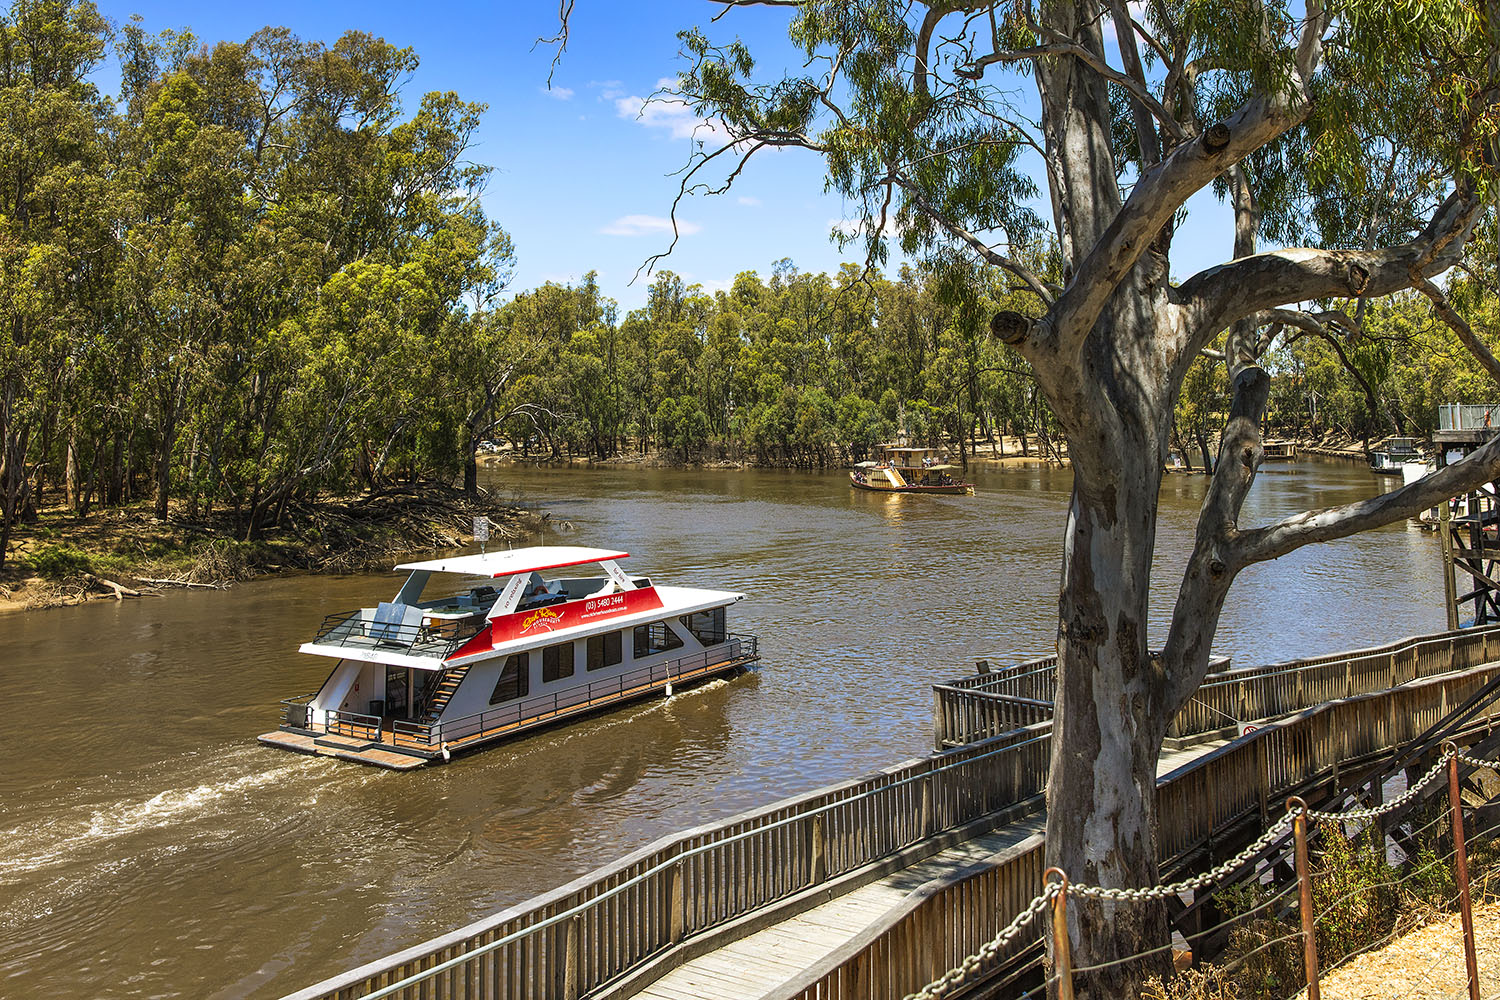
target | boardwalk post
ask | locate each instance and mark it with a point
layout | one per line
(1262, 780)
(1461, 868)
(1304, 896)
(1062, 956)
(926, 816)
(818, 862)
(571, 959)
(675, 916)
(1450, 591)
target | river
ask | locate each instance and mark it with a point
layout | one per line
(153, 849)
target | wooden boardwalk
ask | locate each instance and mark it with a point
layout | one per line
(754, 966)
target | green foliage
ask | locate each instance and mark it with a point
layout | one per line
(58, 562)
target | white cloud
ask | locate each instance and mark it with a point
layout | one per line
(745, 199)
(558, 93)
(671, 114)
(648, 225)
(713, 285)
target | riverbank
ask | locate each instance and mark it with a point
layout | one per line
(1001, 453)
(62, 559)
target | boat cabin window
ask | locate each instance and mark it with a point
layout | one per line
(706, 626)
(654, 638)
(557, 662)
(605, 650)
(515, 679)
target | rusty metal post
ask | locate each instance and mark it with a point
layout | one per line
(1298, 808)
(1461, 868)
(1062, 955)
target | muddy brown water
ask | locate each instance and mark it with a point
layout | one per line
(149, 847)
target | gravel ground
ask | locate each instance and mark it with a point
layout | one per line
(1427, 964)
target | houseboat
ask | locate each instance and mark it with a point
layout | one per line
(1393, 454)
(908, 470)
(1279, 450)
(502, 649)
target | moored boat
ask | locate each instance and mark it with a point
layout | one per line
(909, 470)
(1391, 457)
(501, 651)
(1279, 450)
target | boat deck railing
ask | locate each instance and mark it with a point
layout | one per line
(296, 712)
(428, 738)
(351, 629)
(432, 736)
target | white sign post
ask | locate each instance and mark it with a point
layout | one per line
(481, 531)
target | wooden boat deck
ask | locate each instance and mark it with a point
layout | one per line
(344, 748)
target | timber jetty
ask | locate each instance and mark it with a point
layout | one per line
(879, 886)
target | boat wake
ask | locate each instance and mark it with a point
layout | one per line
(32, 847)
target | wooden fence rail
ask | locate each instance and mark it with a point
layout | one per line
(580, 936)
(984, 705)
(935, 928)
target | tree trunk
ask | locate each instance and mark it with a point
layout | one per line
(1107, 732)
(164, 471)
(471, 466)
(70, 472)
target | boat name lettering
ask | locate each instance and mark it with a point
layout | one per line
(542, 617)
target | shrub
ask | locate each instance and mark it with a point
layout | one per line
(58, 562)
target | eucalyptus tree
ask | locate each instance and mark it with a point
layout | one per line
(945, 120)
(55, 238)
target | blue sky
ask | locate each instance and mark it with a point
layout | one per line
(581, 179)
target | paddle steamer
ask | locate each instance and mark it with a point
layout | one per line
(502, 650)
(908, 470)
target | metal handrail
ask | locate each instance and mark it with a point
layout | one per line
(350, 628)
(357, 725)
(434, 734)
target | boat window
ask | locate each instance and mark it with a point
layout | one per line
(557, 662)
(515, 679)
(654, 638)
(706, 626)
(605, 650)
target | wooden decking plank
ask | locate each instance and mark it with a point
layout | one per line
(754, 965)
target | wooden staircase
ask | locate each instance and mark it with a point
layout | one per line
(448, 682)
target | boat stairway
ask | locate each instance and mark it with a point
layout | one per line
(448, 683)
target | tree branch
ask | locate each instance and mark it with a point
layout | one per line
(1456, 322)
(1220, 295)
(1032, 280)
(1210, 570)
(1291, 533)
(1153, 201)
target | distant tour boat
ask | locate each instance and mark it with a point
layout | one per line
(417, 680)
(908, 470)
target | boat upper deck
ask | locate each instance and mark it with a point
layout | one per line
(527, 611)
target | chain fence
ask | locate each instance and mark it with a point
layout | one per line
(1292, 826)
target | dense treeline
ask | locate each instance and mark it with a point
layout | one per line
(251, 277)
(801, 369)
(254, 277)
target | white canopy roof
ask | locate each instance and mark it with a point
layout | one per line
(511, 561)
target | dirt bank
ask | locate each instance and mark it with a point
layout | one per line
(124, 552)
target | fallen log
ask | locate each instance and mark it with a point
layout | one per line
(157, 582)
(121, 592)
